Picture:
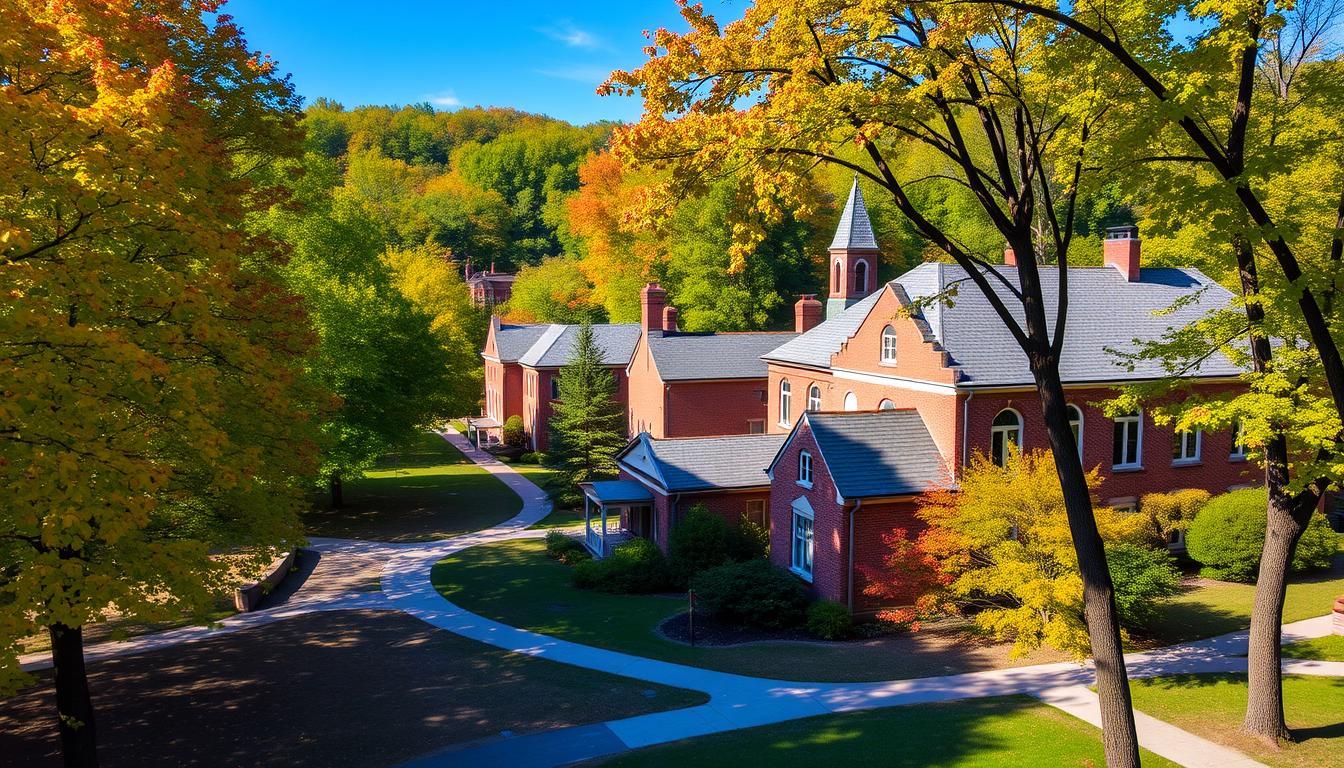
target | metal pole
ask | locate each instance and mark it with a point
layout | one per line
(690, 595)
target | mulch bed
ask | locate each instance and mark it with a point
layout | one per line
(711, 632)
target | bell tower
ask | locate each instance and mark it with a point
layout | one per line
(853, 256)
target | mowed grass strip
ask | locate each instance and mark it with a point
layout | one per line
(426, 491)
(1329, 648)
(1213, 706)
(978, 733)
(515, 583)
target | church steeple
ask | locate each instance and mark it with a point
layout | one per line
(853, 255)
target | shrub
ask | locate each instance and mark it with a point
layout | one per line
(748, 541)
(532, 457)
(697, 542)
(514, 436)
(1171, 512)
(633, 567)
(754, 593)
(829, 621)
(1229, 533)
(566, 549)
(1142, 576)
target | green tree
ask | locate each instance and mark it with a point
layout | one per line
(153, 406)
(587, 425)
(554, 291)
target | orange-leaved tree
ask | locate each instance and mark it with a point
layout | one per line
(152, 402)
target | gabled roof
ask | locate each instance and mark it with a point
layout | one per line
(551, 345)
(1106, 312)
(690, 356)
(701, 463)
(855, 231)
(875, 454)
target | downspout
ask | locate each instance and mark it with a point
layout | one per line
(849, 591)
(965, 433)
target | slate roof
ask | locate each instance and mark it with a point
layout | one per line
(513, 341)
(551, 345)
(688, 356)
(703, 463)
(878, 453)
(855, 231)
(1106, 312)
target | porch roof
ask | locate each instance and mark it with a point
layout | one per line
(616, 492)
(483, 422)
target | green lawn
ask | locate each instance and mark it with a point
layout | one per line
(1330, 648)
(1216, 608)
(1212, 706)
(544, 477)
(427, 491)
(515, 583)
(981, 733)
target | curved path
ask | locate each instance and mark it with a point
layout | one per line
(736, 701)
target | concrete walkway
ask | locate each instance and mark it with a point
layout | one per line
(735, 701)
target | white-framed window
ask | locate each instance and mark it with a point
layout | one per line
(814, 398)
(851, 401)
(861, 277)
(785, 402)
(1185, 446)
(1004, 431)
(1238, 441)
(800, 559)
(886, 405)
(1127, 446)
(1076, 427)
(755, 512)
(755, 426)
(805, 469)
(555, 387)
(888, 346)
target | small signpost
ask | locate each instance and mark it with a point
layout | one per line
(690, 596)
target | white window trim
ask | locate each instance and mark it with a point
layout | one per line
(1136, 419)
(814, 405)
(1186, 461)
(882, 358)
(995, 430)
(1081, 419)
(886, 405)
(1238, 452)
(785, 403)
(802, 509)
(808, 482)
(850, 397)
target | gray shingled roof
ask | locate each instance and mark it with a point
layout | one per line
(855, 231)
(1105, 312)
(513, 341)
(878, 453)
(687, 356)
(556, 344)
(699, 463)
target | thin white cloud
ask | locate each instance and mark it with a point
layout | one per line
(571, 35)
(579, 73)
(444, 99)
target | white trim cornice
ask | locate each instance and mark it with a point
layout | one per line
(888, 380)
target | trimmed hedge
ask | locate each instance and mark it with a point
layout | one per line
(1227, 536)
(754, 593)
(633, 567)
(829, 621)
(566, 549)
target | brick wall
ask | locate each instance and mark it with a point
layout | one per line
(710, 408)
(645, 405)
(538, 405)
(830, 525)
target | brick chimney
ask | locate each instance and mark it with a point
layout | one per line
(669, 318)
(1120, 249)
(652, 299)
(806, 313)
(1009, 257)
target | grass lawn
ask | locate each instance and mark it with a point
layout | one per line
(1212, 706)
(980, 733)
(427, 491)
(1218, 607)
(544, 477)
(515, 583)
(1329, 648)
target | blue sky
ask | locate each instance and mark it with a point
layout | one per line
(537, 56)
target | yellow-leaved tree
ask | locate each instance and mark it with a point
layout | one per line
(152, 403)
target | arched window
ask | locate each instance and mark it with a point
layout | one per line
(836, 285)
(861, 277)
(814, 398)
(851, 402)
(805, 469)
(888, 346)
(785, 396)
(1006, 430)
(886, 405)
(1076, 426)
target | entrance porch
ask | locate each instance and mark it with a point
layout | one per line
(615, 511)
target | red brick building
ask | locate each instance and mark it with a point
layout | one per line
(488, 287)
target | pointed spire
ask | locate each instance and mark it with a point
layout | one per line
(855, 232)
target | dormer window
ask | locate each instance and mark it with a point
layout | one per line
(805, 469)
(888, 346)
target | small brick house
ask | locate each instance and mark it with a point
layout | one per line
(488, 288)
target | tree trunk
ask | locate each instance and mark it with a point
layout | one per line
(1264, 703)
(74, 708)
(337, 496)
(1119, 737)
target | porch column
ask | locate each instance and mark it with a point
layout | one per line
(604, 529)
(587, 521)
